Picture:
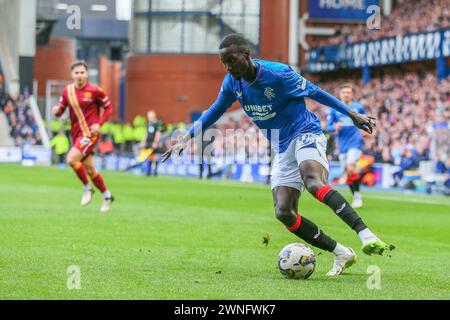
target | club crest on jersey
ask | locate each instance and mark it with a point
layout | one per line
(301, 84)
(269, 93)
(239, 94)
(88, 95)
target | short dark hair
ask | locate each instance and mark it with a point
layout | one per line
(78, 64)
(236, 39)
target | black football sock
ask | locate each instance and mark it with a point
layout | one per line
(352, 188)
(155, 172)
(148, 167)
(356, 185)
(310, 232)
(354, 180)
(341, 207)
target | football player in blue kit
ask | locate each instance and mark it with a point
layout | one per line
(272, 95)
(350, 141)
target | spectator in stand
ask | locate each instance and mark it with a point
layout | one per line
(118, 138)
(408, 162)
(443, 167)
(24, 129)
(2, 89)
(128, 135)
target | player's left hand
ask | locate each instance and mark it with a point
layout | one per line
(95, 129)
(177, 148)
(363, 122)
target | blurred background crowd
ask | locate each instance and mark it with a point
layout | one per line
(406, 111)
(22, 124)
(411, 16)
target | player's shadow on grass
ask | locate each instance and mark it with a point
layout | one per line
(319, 278)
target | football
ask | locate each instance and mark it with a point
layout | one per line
(296, 261)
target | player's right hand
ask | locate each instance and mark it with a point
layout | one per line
(55, 110)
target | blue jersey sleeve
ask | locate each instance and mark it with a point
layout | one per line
(225, 99)
(297, 86)
(327, 99)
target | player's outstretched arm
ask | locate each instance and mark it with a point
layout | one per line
(362, 121)
(206, 120)
(224, 100)
(296, 87)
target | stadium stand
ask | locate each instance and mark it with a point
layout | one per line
(407, 17)
(23, 128)
(5, 138)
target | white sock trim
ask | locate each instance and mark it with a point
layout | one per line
(107, 194)
(366, 235)
(340, 249)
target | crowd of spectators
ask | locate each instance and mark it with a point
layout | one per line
(410, 16)
(408, 107)
(23, 127)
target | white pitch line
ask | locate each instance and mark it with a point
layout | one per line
(407, 198)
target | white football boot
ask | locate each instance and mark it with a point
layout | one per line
(357, 200)
(87, 196)
(106, 204)
(341, 262)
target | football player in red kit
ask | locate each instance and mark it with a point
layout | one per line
(89, 109)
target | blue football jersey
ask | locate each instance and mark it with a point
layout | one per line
(274, 101)
(349, 137)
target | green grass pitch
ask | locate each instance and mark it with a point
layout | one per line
(179, 238)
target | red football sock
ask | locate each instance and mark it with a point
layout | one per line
(353, 178)
(322, 192)
(98, 182)
(81, 173)
(296, 225)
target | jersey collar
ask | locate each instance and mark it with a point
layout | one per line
(85, 85)
(258, 72)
